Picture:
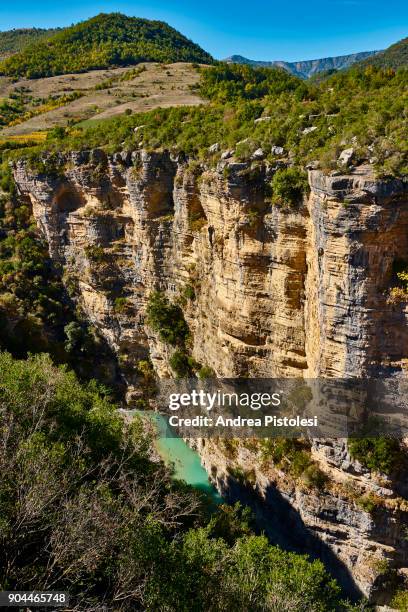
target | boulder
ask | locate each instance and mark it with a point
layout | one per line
(307, 130)
(277, 150)
(258, 154)
(227, 154)
(346, 156)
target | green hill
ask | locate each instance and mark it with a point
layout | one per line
(13, 41)
(103, 41)
(395, 56)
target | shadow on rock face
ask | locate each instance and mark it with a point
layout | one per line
(284, 527)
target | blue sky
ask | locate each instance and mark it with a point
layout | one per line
(259, 29)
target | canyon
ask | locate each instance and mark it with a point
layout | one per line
(267, 291)
(307, 68)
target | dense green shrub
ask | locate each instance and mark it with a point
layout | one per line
(359, 108)
(227, 82)
(31, 295)
(74, 334)
(232, 523)
(49, 165)
(279, 449)
(367, 502)
(180, 364)
(380, 454)
(288, 186)
(299, 462)
(206, 372)
(7, 183)
(167, 319)
(400, 601)
(313, 477)
(394, 57)
(67, 460)
(57, 133)
(95, 253)
(293, 456)
(121, 304)
(189, 293)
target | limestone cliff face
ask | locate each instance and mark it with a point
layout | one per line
(278, 292)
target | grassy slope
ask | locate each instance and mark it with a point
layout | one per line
(100, 94)
(103, 41)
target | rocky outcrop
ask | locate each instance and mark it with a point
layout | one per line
(273, 292)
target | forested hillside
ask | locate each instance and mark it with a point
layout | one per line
(394, 57)
(106, 40)
(13, 41)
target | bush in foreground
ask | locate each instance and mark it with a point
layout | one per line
(84, 509)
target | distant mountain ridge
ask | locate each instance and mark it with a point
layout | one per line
(306, 69)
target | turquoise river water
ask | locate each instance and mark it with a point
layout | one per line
(184, 460)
